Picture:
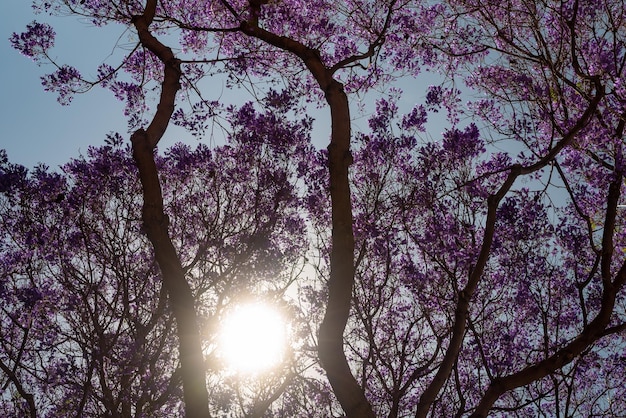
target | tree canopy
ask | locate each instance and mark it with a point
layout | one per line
(471, 272)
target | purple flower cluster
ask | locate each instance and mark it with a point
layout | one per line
(434, 97)
(66, 81)
(29, 297)
(416, 119)
(35, 41)
(463, 144)
(459, 253)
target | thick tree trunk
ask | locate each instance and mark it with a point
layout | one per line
(341, 281)
(156, 222)
(180, 295)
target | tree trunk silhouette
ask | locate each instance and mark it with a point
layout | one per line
(156, 222)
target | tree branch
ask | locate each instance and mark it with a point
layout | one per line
(595, 330)
(341, 281)
(156, 223)
(28, 397)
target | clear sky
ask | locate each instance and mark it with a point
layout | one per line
(38, 129)
(35, 128)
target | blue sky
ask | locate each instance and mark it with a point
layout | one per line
(38, 129)
(35, 128)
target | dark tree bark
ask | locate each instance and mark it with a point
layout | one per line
(341, 281)
(590, 334)
(28, 397)
(465, 295)
(181, 298)
(156, 224)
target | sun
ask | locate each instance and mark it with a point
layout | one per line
(252, 338)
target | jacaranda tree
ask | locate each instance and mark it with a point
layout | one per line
(87, 328)
(479, 270)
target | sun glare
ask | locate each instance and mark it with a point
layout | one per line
(252, 338)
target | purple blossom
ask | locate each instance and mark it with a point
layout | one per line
(65, 81)
(416, 119)
(198, 118)
(12, 176)
(283, 100)
(106, 74)
(35, 42)
(29, 296)
(385, 112)
(434, 97)
(463, 144)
